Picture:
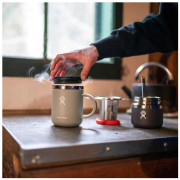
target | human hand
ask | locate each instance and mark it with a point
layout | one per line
(87, 56)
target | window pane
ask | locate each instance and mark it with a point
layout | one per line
(70, 27)
(23, 29)
(106, 23)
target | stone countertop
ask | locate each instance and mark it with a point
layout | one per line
(40, 142)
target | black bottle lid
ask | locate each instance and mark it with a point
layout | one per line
(67, 80)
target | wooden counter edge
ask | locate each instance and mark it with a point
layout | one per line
(152, 165)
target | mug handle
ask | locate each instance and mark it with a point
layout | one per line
(94, 106)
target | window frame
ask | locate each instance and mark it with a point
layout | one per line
(20, 66)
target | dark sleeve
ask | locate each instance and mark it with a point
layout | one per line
(155, 33)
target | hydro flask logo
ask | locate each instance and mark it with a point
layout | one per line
(143, 114)
(62, 100)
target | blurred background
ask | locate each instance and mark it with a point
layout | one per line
(68, 26)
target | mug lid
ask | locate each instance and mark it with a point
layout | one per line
(67, 80)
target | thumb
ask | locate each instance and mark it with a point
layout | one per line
(85, 71)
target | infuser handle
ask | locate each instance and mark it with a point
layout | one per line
(94, 106)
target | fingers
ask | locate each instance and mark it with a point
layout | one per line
(63, 72)
(56, 69)
(55, 61)
(58, 73)
(70, 56)
(85, 71)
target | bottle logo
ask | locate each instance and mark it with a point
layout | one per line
(62, 100)
(143, 114)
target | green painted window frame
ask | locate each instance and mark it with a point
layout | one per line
(20, 66)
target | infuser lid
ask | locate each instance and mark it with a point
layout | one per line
(67, 80)
(108, 98)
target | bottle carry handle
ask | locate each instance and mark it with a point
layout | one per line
(94, 105)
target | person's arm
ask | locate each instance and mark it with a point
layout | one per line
(156, 33)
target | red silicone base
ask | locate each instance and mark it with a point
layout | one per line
(107, 122)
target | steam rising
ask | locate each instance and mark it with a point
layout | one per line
(31, 71)
(89, 80)
(44, 76)
(40, 77)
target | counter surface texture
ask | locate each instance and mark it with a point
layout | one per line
(40, 142)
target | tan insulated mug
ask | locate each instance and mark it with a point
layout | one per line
(67, 105)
